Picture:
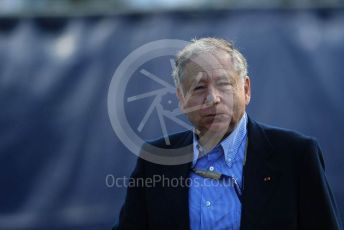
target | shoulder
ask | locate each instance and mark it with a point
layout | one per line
(169, 150)
(172, 140)
(287, 138)
(290, 144)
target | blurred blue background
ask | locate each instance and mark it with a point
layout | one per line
(57, 59)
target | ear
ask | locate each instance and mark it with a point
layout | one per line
(247, 87)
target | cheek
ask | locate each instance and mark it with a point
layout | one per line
(191, 108)
(239, 104)
(229, 102)
(192, 102)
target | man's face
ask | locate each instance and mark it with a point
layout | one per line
(211, 94)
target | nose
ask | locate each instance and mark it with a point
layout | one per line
(212, 97)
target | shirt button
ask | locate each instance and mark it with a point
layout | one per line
(207, 203)
(211, 168)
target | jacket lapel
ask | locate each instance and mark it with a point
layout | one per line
(259, 177)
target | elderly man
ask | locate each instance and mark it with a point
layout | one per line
(239, 174)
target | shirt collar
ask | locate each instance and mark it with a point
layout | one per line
(230, 144)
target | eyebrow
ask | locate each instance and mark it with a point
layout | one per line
(205, 78)
(222, 77)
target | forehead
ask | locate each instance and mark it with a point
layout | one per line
(210, 64)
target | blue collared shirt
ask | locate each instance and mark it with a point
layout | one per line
(214, 204)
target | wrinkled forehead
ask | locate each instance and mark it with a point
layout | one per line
(209, 64)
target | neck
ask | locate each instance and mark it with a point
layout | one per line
(209, 140)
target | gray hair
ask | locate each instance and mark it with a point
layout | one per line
(198, 46)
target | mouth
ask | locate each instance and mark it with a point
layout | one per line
(215, 116)
(210, 115)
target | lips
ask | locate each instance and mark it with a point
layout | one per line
(211, 113)
(215, 116)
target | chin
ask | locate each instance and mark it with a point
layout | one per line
(217, 127)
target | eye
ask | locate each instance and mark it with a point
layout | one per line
(199, 87)
(224, 83)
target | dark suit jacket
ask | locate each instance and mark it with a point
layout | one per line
(284, 186)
